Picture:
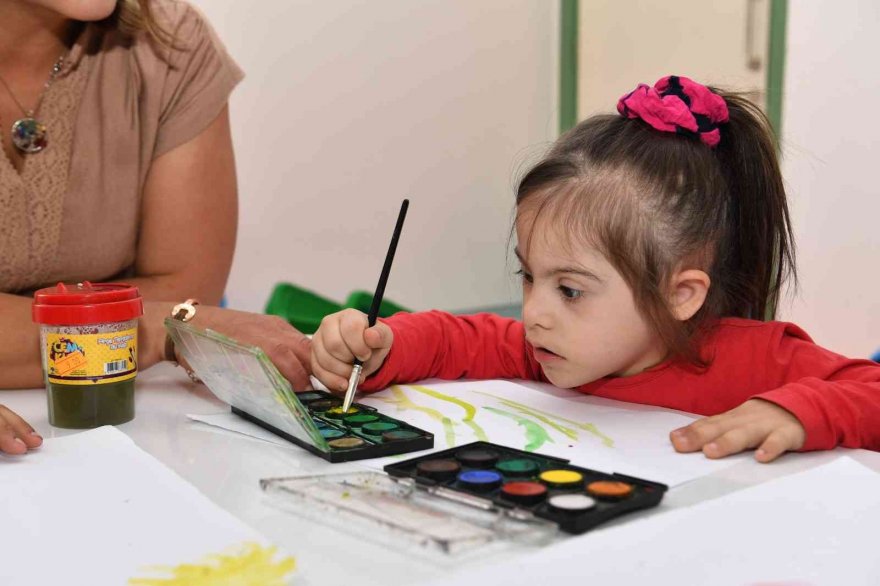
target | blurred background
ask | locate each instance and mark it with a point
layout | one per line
(349, 107)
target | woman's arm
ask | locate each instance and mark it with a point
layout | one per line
(189, 219)
(20, 350)
(187, 231)
(185, 247)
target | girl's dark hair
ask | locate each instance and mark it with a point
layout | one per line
(655, 202)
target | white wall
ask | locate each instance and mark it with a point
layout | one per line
(348, 107)
(831, 150)
(623, 43)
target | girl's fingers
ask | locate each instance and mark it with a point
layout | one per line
(10, 444)
(733, 442)
(379, 336)
(329, 362)
(330, 338)
(336, 344)
(693, 437)
(334, 383)
(20, 428)
(327, 368)
(776, 444)
(332, 372)
(352, 325)
(32, 440)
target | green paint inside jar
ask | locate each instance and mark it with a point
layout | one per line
(85, 407)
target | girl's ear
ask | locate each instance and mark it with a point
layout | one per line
(688, 291)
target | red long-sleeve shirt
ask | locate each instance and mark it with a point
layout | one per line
(836, 399)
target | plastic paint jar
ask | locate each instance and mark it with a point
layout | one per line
(88, 343)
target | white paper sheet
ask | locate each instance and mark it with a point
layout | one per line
(592, 432)
(229, 421)
(93, 508)
(812, 528)
(610, 436)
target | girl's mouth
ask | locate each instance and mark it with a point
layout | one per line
(544, 355)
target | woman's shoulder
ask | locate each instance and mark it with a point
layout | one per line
(180, 19)
(172, 32)
(173, 55)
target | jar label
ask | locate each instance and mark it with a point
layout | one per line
(86, 359)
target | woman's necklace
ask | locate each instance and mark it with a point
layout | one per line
(29, 135)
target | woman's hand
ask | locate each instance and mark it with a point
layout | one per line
(342, 337)
(754, 424)
(287, 348)
(16, 435)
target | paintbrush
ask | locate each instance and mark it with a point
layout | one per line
(377, 301)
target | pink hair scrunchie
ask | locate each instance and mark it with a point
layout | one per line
(677, 104)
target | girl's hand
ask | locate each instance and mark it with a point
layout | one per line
(754, 424)
(16, 435)
(342, 337)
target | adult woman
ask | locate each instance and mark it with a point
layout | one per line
(133, 179)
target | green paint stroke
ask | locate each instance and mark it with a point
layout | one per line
(470, 411)
(536, 436)
(550, 419)
(403, 403)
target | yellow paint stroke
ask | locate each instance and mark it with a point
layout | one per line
(403, 403)
(253, 565)
(470, 411)
(536, 436)
(551, 419)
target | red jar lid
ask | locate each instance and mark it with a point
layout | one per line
(86, 303)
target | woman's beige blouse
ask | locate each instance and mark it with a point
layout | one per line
(73, 212)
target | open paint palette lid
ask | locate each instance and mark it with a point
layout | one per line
(244, 377)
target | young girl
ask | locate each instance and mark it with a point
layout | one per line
(653, 246)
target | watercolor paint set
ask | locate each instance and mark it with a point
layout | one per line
(363, 432)
(243, 377)
(457, 499)
(574, 498)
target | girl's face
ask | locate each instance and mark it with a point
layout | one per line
(579, 314)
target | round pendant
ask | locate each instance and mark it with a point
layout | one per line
(29, 135)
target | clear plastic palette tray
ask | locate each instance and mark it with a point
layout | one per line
(397, 511)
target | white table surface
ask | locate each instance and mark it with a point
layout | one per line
(227, 468)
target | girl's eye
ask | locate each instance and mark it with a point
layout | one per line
(570, 294)
(524, 275)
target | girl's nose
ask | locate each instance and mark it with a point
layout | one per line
(536, 313)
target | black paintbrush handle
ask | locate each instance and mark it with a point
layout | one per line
(386, 270)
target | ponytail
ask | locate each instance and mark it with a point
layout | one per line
(758, 255)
